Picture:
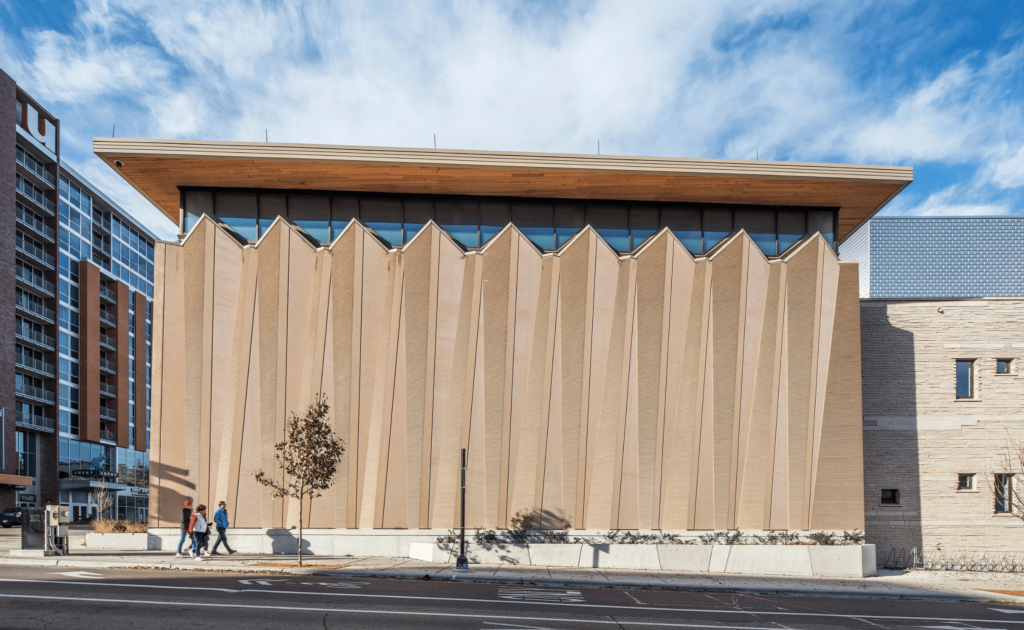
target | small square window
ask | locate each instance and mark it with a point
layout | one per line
(890, 496)
(1003, 366)
(964, 378)
(965, 481)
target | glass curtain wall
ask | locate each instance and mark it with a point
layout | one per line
(548, 223)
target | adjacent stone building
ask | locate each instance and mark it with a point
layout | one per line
(943, 392)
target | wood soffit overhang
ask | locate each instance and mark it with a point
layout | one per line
(159, 168)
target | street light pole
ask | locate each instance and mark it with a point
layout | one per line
(462, 564)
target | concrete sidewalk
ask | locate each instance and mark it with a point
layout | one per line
(932, 585)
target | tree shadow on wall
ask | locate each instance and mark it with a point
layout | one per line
(891, 436)
(510, 546)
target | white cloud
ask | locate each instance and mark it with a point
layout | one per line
(723, 79)
(954, 200)
(1010, 172)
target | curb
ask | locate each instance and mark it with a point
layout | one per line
(537, 581)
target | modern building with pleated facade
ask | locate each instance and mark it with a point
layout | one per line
(618, 342)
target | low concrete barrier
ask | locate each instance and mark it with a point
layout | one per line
(122, 542)
(795, 560)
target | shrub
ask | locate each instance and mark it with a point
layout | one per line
(110, 526)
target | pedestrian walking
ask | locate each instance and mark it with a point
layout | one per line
(220, 518)
(200, 531)
(186, 520)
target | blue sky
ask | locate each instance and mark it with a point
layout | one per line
(934, 85)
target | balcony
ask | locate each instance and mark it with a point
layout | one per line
(108, 318)
(101, 247)
(108, 391)
(33, 281)
(34, 254)
(35, 195)
(109, 436)
(37, 311)
(28, 219)
(109, 296)
(102, 223)
(36, 394)
(35, 365)
(108, 342)
(36, 168)
(108, 367)
(34, 337)
(107, 413)
(30, 421)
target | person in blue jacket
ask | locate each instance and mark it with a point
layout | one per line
(220, 518)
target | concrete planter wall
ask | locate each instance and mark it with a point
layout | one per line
(795, 560)
(317, 542)
(122, 542)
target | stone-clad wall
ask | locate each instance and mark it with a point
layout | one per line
(644, 391)
(918, 437)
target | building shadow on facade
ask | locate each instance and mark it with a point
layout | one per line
(892, 468)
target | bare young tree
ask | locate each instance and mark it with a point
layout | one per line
(308, 457)
(1003, 482)
(102, 498)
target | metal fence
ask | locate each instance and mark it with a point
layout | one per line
(955, 560)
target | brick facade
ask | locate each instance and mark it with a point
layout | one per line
(8, 120)
(918, 437)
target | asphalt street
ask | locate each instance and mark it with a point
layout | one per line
(51, 597)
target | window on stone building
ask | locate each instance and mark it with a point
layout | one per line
(1004, 493)
(1003, 366)
(890, 496)
(965, 481)
(965, 378)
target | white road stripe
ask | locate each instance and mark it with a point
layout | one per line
(103, 600)
(648, 608)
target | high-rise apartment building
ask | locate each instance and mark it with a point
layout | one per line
(74, 386)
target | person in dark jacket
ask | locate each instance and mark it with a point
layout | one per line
(186, 518)
(220, 518)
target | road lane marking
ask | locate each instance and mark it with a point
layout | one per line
(102, 600)
(530, 594)
(1009, 612)
(260, 582)
(715, 611)
(81, 574)
(353, 585)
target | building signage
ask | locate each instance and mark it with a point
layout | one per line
(27, 497)
(102, 474)
(141, 491)
(43, 130)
